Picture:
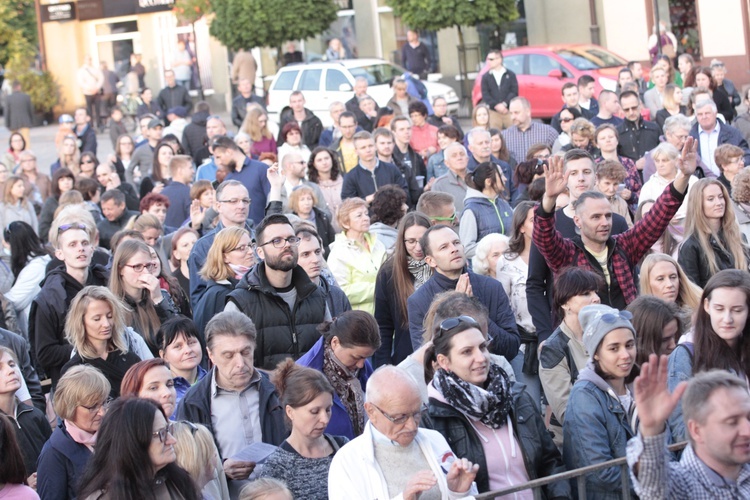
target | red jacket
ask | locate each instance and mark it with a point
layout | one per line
(625, 250)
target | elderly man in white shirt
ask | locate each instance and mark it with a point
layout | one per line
(394, 457)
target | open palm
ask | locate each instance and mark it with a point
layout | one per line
(652, 398)
(555, 178)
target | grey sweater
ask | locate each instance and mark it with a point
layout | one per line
(302, 475)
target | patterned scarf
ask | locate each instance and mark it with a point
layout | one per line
(491, 405)
(347, 387)
(419, 270)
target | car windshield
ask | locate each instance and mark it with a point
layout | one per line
(590, 58)
(377, 74)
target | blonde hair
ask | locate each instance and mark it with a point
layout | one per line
(68, 198)
(345, 210)
(696, 225)
(251, 126)
(75, 329)
(689, 294)
(195, 449)
(226, 240)
(144, 222)
(74, 163)
(82, 385)
(72, 214)
(262, 488)
(582, 127)
(668, 101)
(297, 193)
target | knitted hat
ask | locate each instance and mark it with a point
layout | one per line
(597, 320)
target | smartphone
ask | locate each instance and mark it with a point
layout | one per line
(620, 188)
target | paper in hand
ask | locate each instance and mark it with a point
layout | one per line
(256, 452)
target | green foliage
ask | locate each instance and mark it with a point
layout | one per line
(435, 15)
(42, 88)
(244, 24)
(190, 11)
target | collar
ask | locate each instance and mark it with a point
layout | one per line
(458, 180)
(716, 129)
(711, 475)
(377, 164)
(217, 391)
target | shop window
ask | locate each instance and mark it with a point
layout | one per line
(683, 16)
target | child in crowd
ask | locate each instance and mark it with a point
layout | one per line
(116, 126)
(610, 175)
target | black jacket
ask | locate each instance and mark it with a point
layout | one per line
(151, 108)
(281, 333)
(727, 135)
(19, 113)
(493, 94)
(312, 127)
(338, 302)
(108, 229)
(637, 139)
(20, 346)
(410, 164)
(171, 97)
(395, 342)
(61, 464)
(194, 136)
(540, 455)
(195, 407)
(32, 431)
(211, 303)
(87, 139)
(47, 317)
(694, 260)
(360, 182)
(239, 107)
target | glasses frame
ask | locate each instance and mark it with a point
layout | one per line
(95, 409)
(293, 242)
(162, 433)
(149, 266)
(402, 419)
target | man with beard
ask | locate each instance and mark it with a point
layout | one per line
(284, 304)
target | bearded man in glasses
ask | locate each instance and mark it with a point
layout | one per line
(394, 457)
(285, 306)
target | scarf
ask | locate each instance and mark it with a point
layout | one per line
(490, 406)
(80, 436)
(239, 270)
(347, 387)
(419, 270)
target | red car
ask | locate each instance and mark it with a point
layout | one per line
(542, 70)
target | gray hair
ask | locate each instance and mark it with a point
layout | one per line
(524, 102)
(665, 149)
(361, 79)
(230, 323)
(335, 103)
(226, 184)
(677, 122)
(475, 132)
(699, 390)
(707, 103)
(452, 145)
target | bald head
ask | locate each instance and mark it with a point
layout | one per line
(293, 165)
(390, 382)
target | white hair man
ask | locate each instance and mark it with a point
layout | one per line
(710, 133)
(394, 457)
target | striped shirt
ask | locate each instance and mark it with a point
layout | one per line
(520, 141)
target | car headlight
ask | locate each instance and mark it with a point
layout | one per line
(608, 84)
(451, 96)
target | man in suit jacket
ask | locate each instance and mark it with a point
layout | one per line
(499, 87)
(19, 113)
(711, 133)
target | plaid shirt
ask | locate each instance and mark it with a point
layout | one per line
(658, 478)
(625, 249)
(520, 141)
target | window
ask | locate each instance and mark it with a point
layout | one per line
(310, 80)
(591, 59)
(540, 65)
(285, 81)
(334, 80)
(377, 74)
(514, 64)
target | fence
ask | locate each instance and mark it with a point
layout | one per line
(578, 474)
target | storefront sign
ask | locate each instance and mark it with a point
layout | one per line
(58, 12)
(100, 9)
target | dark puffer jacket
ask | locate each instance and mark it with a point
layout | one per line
(281, 333)
(540, 454)
(311, 127)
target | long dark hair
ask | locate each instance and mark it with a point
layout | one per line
(120, 467)
(403, 281)
(312, 172)
(24, 245)
(711, 351)
(12, 468)
(517, 243)
(484, 171)
(353, 329)
(650, 316)
(156, 169)
(59, 174)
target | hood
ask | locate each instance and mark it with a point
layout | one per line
(383, 229)
(474, 193)
(200, 118)
(589, 375)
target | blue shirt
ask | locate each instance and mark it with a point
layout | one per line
(181, 385)
(253, 177)
(207, 171)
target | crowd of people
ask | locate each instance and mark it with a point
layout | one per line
(387, 308)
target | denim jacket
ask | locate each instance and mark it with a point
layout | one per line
(596, 429)
(679, 369)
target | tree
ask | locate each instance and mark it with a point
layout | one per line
(435, 15)
(244, 24)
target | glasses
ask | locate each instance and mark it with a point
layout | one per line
(242, 248)
(452, 218)
(67, 227)
(281, 242)
(612, 318)
(104, 405)
(449, 324)
(402, 419)
(410, 242)
(162, 433)
(140, 267)
(235, 201)
(632, 108)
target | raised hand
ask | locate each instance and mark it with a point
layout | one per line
(652, 398)
(275, 178)
(687, 162)
(419, 482)
(555, 178)
(461, 475)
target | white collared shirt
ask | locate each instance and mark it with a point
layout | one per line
(498, 74)
(709, 141)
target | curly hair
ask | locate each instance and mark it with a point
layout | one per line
(741, 187)
(388, 205)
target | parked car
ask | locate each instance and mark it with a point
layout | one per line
(325, 82)
(542, 70)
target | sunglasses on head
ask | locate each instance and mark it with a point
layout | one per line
(450, 324)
